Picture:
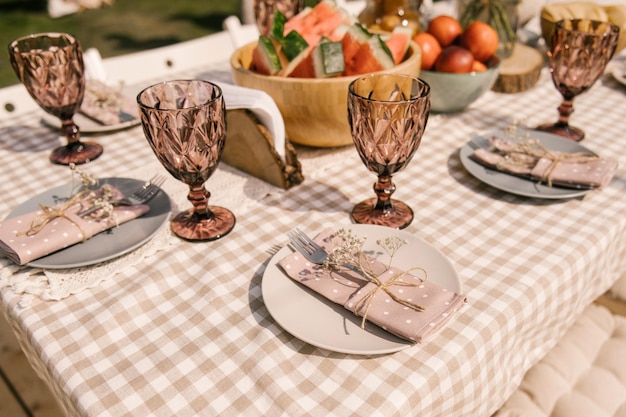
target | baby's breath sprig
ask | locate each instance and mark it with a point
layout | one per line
(391, 244)
(348, 252)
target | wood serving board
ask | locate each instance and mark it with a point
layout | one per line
(520, 71)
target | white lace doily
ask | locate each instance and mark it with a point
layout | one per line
(229, 187)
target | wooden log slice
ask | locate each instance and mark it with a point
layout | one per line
(520, 71)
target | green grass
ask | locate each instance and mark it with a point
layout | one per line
(127, 26)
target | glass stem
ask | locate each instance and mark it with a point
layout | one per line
(199, 198)
(383, 189)
(565, 110)
(71, 132)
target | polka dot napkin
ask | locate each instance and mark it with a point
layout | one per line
(565, 170)
(59, 232)
(384, 307)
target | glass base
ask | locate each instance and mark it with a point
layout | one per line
(190, 226)
(76, 153)
(564, 130)
(399, 217)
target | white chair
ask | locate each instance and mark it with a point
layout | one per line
(15, 100)
(171, 60)
(240, 34)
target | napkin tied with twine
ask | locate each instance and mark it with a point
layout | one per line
(409, 306)
(530, 159)
(107, 105)
(30, 236)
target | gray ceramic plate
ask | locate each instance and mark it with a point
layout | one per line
(322, 323)
(518, 185)
(108, 244)
(89, 125)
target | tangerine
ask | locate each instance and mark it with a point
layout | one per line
(481, 40)
(446, 29)
(430, 49)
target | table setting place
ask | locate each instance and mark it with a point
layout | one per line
(419, 261)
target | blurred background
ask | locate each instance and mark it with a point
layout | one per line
(123, 27)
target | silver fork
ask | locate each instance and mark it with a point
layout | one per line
(314, 252)
(307, 247)
(144, 194)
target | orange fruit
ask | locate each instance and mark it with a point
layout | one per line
(481, 40)
(430, 49)
(445, 28)
(478, 66)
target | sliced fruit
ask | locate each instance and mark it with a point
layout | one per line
(353, 39)
(372, 56)
(277, 29)
(265, 59)
(328, 59)
(293, 44)
(320, 20)
(398, 42)
(301, 66)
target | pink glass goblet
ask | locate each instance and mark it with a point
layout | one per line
(50, 65)
(388, 115)
(184, 122)
(264, 11)
(580, 50)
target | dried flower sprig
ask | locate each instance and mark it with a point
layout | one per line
(348, 253)
(83, 194)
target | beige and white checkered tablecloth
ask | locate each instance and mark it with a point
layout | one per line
(185, 332)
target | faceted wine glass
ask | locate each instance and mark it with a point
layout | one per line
(50, 65)
(580, 50)
(184, 122)
(387, 114)
(264, 12)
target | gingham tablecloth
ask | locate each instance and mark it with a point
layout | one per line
(186, 332)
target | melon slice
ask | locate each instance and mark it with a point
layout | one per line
(277, 29)
(265, 59)
(398, 42)
(292, 45)
(355, 37)
(319, 21)
(301, 66)
(328, 59)
(372, 56)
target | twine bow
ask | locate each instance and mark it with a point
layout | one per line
(535, 149)
(60, 211)
(367, 300)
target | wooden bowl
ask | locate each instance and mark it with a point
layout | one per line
(554, 12)
(314, 110)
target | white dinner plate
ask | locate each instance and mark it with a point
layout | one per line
(322, 323)
(106, 245)
(518, 185)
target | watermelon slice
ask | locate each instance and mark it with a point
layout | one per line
(293, 44)
(328, 59)
(352, 40)
(398, 42)
(265, 59)
(319, 21)
(301, 66)
(372, 56)
(277, 29)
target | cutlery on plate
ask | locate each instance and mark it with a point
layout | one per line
(144, 194)
(307, 247)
